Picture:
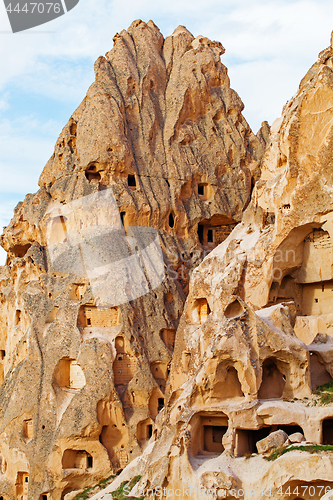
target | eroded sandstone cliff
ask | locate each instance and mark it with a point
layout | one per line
(83, 379)
(254, 343)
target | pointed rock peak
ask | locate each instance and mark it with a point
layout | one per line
(141, 25)
(201, 41)
(153, 26)
(135, 24)
(182, 29)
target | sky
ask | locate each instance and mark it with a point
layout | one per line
(45, 72)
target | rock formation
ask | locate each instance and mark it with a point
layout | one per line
(255, 339)
(157, 175)
(158, 147)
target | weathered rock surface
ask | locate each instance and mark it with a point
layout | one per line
(88, 387)
(83, 386)
(255, 338)
(272, 442)
(297, 437)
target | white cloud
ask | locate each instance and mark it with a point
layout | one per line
(3, 104)
(25, 146)
(259, 37)
(6, 213)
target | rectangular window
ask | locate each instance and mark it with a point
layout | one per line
(131, 181)
(201, 189)
(201, 233)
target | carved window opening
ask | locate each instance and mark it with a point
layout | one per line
(73, 128)
(204, 191)
(319, 374)
(171, 220)
(93, 316)
(199, 311)
(92, 174)
(290, 428)
(226, 382)
(201, 233)
(124, 364)
(131, 181)
(77, 291)
(28, 428)
(211, 232)
(207, 433)
(68, 374)
(273, 381)
(168, 336)
(77, 459)
(246, 439)
(234, 310)
(58, 233)
(17, 317)
(22, 485)
(328, 431)
(155, 403)
(144, 431)
(213, 435)
(20, 250)
(159, 370)
(124, 220)
(316, 297)
(52, 314)
(270, 218)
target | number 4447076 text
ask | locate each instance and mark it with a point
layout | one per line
(41, 8)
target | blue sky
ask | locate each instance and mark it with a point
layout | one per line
(45, 72)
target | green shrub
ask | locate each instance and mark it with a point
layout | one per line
(119, 494)
(326, 393)
(102, 484)
(314, 448)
